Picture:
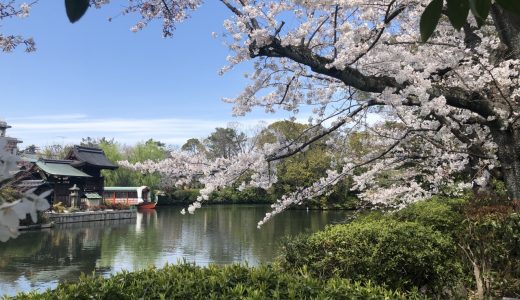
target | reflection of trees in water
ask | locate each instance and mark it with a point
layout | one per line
(134, 247)
(49, 255)
(59, 254)
(228, 233)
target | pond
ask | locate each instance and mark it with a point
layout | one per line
(218, 234)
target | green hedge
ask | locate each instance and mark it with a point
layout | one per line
(177, 197)
(186, 281)
(248, 195)
(443, 214)
(224, 196)
(401, 255)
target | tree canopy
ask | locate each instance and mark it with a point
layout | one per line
(454, 97)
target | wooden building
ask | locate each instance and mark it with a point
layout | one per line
(91, 161)
(81, 169)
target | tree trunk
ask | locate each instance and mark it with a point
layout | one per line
(478, 281)
(508, 142)
(508, 27)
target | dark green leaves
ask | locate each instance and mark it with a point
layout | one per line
(76, 9)
(480, 10)
(511, 5)
(458, 11)
(430, 19)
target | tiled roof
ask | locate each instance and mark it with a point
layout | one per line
(92, 156)
(60, 168)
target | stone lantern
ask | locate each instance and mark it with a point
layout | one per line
(3, 128)
(74, 196)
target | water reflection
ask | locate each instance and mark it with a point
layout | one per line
(215, 234)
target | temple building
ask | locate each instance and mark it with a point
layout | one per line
(81, 170)
(79, 173)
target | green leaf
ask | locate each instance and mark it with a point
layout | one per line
(76, 9)
(430, 19)
(458, 12)
(480, 10)
(511, 5)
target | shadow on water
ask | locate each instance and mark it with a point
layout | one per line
(219, 234)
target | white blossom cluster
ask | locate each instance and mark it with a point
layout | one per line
(11, 212)
(169, 11)
(185, 167)
(14, 9)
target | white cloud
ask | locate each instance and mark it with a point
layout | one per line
(69, 129)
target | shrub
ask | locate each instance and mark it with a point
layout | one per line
(187, 281)
(186, 196)
(401, 255)
(58, 207)
(233, 195)
(117, 206)
(440, 213)
(490, 242)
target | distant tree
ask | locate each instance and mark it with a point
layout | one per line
(95, 142)
(194, 146)
(149, 150)
(225, 142)
(31, 149)
(120, 176)
(55, 151)
(298, 170)
(284, 130)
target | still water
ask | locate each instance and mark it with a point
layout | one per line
(219, 234)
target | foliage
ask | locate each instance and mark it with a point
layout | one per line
(442, 214)
(305, 168)
(401, 255)
(300, 170)
(187, 281)
(489, 240)
(58, 207)
(120, 176)
(149, 150)
(287, 130)
(8, 194)
(193, 145)
(54, 151)
(116, 206)
(76, 9)
(458, 11)
(179, 196)
(225, 142)
(247, 195)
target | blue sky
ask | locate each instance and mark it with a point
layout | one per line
(97, 78)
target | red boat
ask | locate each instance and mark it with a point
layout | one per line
(147, 205)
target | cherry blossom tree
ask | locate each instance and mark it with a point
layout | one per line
(454, 97)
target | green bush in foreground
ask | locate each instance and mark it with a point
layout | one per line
(441, 214)
(187, 281)
(399, 254)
